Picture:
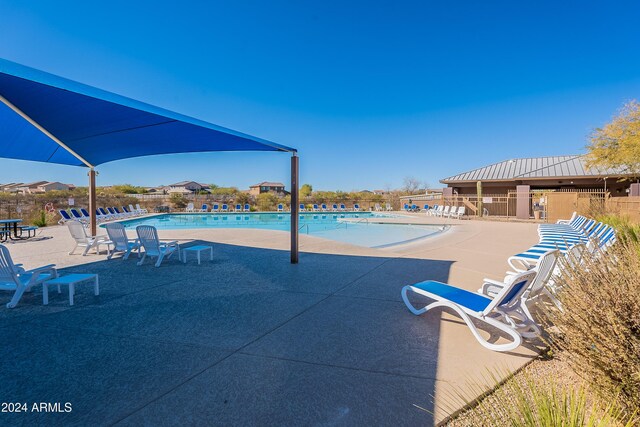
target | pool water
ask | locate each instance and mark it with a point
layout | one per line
(359, 228)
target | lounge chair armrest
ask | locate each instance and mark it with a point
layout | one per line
(51, 268)
(491, 287)
(47, 267)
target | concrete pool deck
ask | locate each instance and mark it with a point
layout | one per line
(249, 339)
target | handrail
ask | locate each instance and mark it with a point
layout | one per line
(302, 226)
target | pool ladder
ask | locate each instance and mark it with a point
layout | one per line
(303, 226)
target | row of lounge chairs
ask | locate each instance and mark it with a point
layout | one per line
(445, 211)
(102, 214)
(281, 208)
(387, 207)
(218, 208)
(323, 208)
(116, 240)
(533, 275)
(15, 278)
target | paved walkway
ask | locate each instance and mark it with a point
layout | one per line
(250, 339)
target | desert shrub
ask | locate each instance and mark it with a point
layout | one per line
(524, 400)
(625, 229)
(39, 219)
(599, 325)
(267, 202)
(178, 200)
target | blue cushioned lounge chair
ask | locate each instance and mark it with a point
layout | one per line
(64, 216)
(501, 311)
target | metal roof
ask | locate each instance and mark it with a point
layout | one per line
(534, 168)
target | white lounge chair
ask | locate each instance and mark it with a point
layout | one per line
(377, 207)
(141, 210)
(445, 212)
(15, 278)
(458, 214)
(544, 272)
(496, 312)
(388, 207)
(189, 207)
(121, 242)
(153, 247)
(83, 240)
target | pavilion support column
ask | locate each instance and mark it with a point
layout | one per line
(294, 208)
(92, 201)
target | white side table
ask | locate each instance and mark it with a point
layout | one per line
(197, 249)
(70, 280)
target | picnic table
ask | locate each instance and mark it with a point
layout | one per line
(9, 229)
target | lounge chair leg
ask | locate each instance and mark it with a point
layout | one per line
(74, 249)
(143, 258)
(16, 297)
(410, 306)
(160, 257)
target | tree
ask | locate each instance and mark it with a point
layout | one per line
(411, 185)
(305, 191)
(617, 144)
(242, 198)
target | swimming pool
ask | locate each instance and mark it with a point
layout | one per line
(358, 228)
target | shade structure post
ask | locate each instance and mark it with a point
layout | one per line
(92, 202)
(294, 208)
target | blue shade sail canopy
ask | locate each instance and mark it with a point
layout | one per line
(98, 126)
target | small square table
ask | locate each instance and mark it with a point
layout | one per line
(197, 249)
(70, 280)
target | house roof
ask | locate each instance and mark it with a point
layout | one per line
(534, 168)
(183, 183)
(35, 184)
(268, 184)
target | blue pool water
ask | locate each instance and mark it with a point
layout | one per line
(359, 228)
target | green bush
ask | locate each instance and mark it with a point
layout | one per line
(267, 202)
(40, 219)
(625, 229)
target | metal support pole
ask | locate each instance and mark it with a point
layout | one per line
(92, 201)
(294, 208)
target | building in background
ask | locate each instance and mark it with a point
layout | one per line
(186, 187)
(540, 173)
(35, 187)
(267, 187)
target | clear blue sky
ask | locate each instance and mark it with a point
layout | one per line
(369, 92)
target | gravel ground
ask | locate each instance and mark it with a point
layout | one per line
(556, 368)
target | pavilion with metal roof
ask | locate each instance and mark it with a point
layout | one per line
(541, 172)
(50, 119)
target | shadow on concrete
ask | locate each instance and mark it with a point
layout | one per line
(244, 339)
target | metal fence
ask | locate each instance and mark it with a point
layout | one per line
(542, 204)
